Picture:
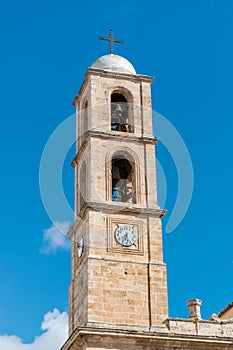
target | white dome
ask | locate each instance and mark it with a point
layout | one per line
(114, 63)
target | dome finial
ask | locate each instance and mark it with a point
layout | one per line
(111, 40)
(114, 63)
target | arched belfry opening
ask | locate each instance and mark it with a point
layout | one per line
(122, 180)
(82, 184)
(85, 117)
(119, 112)
(84, 120)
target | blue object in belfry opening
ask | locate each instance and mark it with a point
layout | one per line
(114, 194)
(113, 127)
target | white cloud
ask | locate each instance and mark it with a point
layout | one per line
(55, 333)
(54, 238)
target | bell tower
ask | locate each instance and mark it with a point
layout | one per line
(118, 274)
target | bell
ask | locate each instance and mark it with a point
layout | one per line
(117, 112)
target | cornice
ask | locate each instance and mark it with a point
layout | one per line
(119, 136)
(105, 74)
(112, 208)
(162, 337)
(121, 207)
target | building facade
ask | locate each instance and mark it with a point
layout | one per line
(118, 291)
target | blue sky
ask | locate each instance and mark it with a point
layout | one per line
(46, 47)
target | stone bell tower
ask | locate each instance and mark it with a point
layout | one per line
(118, 290)
(118, 274)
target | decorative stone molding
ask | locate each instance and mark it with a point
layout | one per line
(113, 246)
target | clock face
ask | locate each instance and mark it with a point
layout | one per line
(125, 235)
(80, 246)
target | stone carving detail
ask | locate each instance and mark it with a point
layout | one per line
(214, 318)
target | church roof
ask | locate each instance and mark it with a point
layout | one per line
(114, 63)
(227, 308)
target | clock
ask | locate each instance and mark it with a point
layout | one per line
(80, 245)
(125, 235)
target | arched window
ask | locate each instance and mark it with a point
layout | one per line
(122, 180)
(82, 186)
(122, 163)
(119, 113)
(85, 117)
(84, 121)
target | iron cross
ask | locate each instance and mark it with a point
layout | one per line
(111, 40)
